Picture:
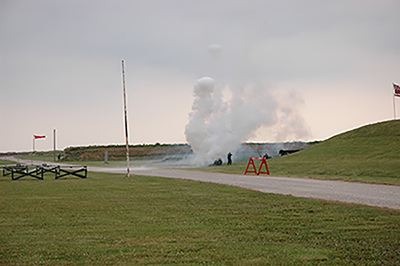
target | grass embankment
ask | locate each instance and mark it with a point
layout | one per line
(40, 156)
(6, 162)
(95, 155)
(118, 152)
(367, 154)
(140, 155)
(111, 219)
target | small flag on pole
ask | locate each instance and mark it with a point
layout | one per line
(39, 136)
(396, 90)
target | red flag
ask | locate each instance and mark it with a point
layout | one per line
(396, 90)
(39, 136)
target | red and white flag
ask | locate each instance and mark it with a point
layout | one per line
(39, 136)
(396, 90)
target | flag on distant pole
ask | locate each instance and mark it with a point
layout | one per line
(37, 137)
(396, 90)
(397, 94)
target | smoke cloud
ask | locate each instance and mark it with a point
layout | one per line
(214, 50)
(218, 126)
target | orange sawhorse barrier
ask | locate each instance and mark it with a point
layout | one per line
(251, 163)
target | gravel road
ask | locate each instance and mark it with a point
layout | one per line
(350, 192)
(341, 191)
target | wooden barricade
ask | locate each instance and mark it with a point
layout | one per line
(6, 170)
(79, 171)
(251, 163)
(20, 171)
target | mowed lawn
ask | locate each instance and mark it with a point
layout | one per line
(112, 219)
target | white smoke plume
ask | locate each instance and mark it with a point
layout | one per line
(219, 126)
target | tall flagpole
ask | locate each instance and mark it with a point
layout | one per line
(33, 153)
(54, 145)
(394, 107)
(395, 93)
(33, 149)
(126, 122)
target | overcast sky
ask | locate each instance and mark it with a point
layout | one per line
(60, 65)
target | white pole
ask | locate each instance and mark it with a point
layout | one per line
(126, 122)
(54, 145)
(394, 107)
(33, 153)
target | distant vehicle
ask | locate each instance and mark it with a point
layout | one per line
(286, 152)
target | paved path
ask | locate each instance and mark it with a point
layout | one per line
(350, 192)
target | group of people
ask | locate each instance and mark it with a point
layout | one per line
(229, 156)
(219, 161)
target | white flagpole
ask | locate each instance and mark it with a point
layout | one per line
(33, 153)
(126, 122)
(394, 101)
(54, 145)
(394, 107)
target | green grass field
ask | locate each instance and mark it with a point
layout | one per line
(112, 219)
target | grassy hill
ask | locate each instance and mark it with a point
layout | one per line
(370, 154)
